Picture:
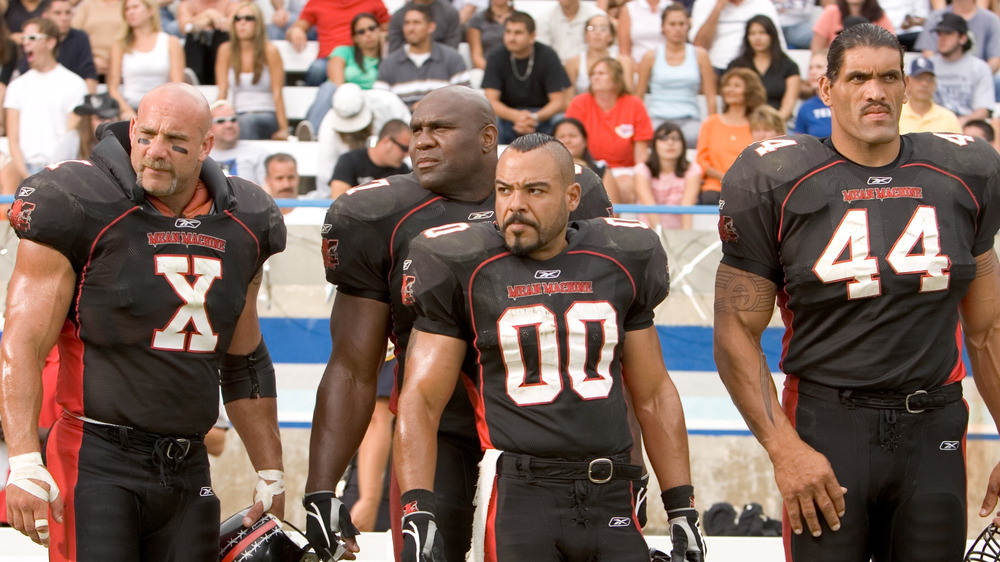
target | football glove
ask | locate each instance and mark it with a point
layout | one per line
(685, 533)
(328, 523)
(421, 540)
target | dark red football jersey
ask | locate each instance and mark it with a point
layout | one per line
(870, 263)
(368, 232)
(157, 298)
(544, 358)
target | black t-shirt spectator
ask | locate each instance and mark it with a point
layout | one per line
(17, 14)
(546, 75)
(774, 79)
(355, 168)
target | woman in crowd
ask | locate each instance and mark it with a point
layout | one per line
(101, 20)
(599, 36)
(573, 135)
(831, 21)
(724, 135)
(667, 178)
(762, 53)
(143, 58)
(358, 63)
(672, 75)
(485, 30)
(250, 67)
(638, 27)
(616, 121)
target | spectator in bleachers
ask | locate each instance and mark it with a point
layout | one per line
(766, 122)
(673, 74)
(719, 25)
(485, 30)
(573, 135)
(563, 27)
(832, 20)
(102, 21)
(41, 125)
(95, 110)
(813, 117)
(282, 182)
(667, 178)
(333, 29)
(981, 130)
(796, 19)
(250, 71)
(74, 45)
(616, 122)
(920, 114)
(468, 8)
(285, 13)
(205, 24)
(599, 36)
(983, 26)
(724, 135)
(358, 62)
(964, 81)
(20, 11)
(762, 53)
(524, 81)
(143, 58)
(356, 115)
(908, 17)
(638, 29)
(241, 159)
(447, 29)
(8, 63)
(375, 161)
(422, 64)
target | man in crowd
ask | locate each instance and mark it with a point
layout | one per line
(865, 234)
(242, 159)
(524, 81)
(920, 114)
(983, 25)
(545, 459)
(381, 160)
(422, 64)
(964, 81)
(74, 45)
(282, 182)
(143, 330)
(448, 29)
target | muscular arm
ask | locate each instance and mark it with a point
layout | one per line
(432, 370)
(744, 303)
(346, 394)
(980, 315)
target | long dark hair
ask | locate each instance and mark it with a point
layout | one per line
(359, 57)
(870, 10)
(587, 157)
(746, 53)
(653, 162)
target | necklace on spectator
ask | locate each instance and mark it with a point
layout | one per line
(527, 73)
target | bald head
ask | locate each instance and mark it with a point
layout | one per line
(471, 105)
(185, 97)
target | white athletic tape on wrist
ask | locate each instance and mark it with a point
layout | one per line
(27, 467)
(265, 492)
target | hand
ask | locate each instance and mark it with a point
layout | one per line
(297, 38)
(31, 492)
(280, 18)
(685, 535)
(421, 540)
(806, 481)
(268, 496)
(992, 491)
(364, 512)
(280, 134)
(329, 527)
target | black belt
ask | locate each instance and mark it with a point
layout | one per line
(914, 402)
(599, 471)
(168, 452)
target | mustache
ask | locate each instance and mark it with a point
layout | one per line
(878, 105)
(160, 165)
(518, 218)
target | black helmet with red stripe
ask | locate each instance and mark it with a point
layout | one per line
(264, 541)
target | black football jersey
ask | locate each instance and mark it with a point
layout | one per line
(368, 231)
(870, 263)
(545, 337)
(157, 298)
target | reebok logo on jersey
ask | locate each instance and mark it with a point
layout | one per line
(187, 223)
(950, 445)
(620, 522)
(19, 215)
(480, 215)
(25, 191)
(530, 289)
(206, 491)
(325, 228)
(879, 181)
(547, 273)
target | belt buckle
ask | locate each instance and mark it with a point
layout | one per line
(600, 464)
(907, 402)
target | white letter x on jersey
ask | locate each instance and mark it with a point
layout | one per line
(173, 336)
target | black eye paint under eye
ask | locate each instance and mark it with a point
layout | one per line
(179, 149)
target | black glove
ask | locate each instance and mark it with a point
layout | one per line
(639, 498)
(421, 540)
(685, 533)
(328, 522)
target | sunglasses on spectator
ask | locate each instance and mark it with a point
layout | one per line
(34, 37)
(228, 119)
(248, 17)
(598, 28)
(363, 30)
(401, 146)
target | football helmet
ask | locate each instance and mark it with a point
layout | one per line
(987, 546)
(264, 541)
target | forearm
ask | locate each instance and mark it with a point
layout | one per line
(373, 454)
(502, 110)
(980, 312)
(20, 396)
(555, 105)
(662, 421)
(981, 113)
(706, 33)
(415, 446)
(256, 421)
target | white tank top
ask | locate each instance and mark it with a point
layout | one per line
(141, 72)
(248, 96)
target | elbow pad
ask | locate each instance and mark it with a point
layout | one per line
(247, 376)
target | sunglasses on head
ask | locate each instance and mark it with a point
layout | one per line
(363, 30)
(228, 119)
(249, 17)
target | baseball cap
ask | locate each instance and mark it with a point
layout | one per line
(350, 111)
(101, 105)
(921, 65)
(951, 21)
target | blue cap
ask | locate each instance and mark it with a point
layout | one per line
(921, 65)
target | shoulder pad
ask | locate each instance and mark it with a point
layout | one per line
(460, 241)
(620, 236)
(782, 159)
(960, 154)
(381, 198)
(594, 200)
